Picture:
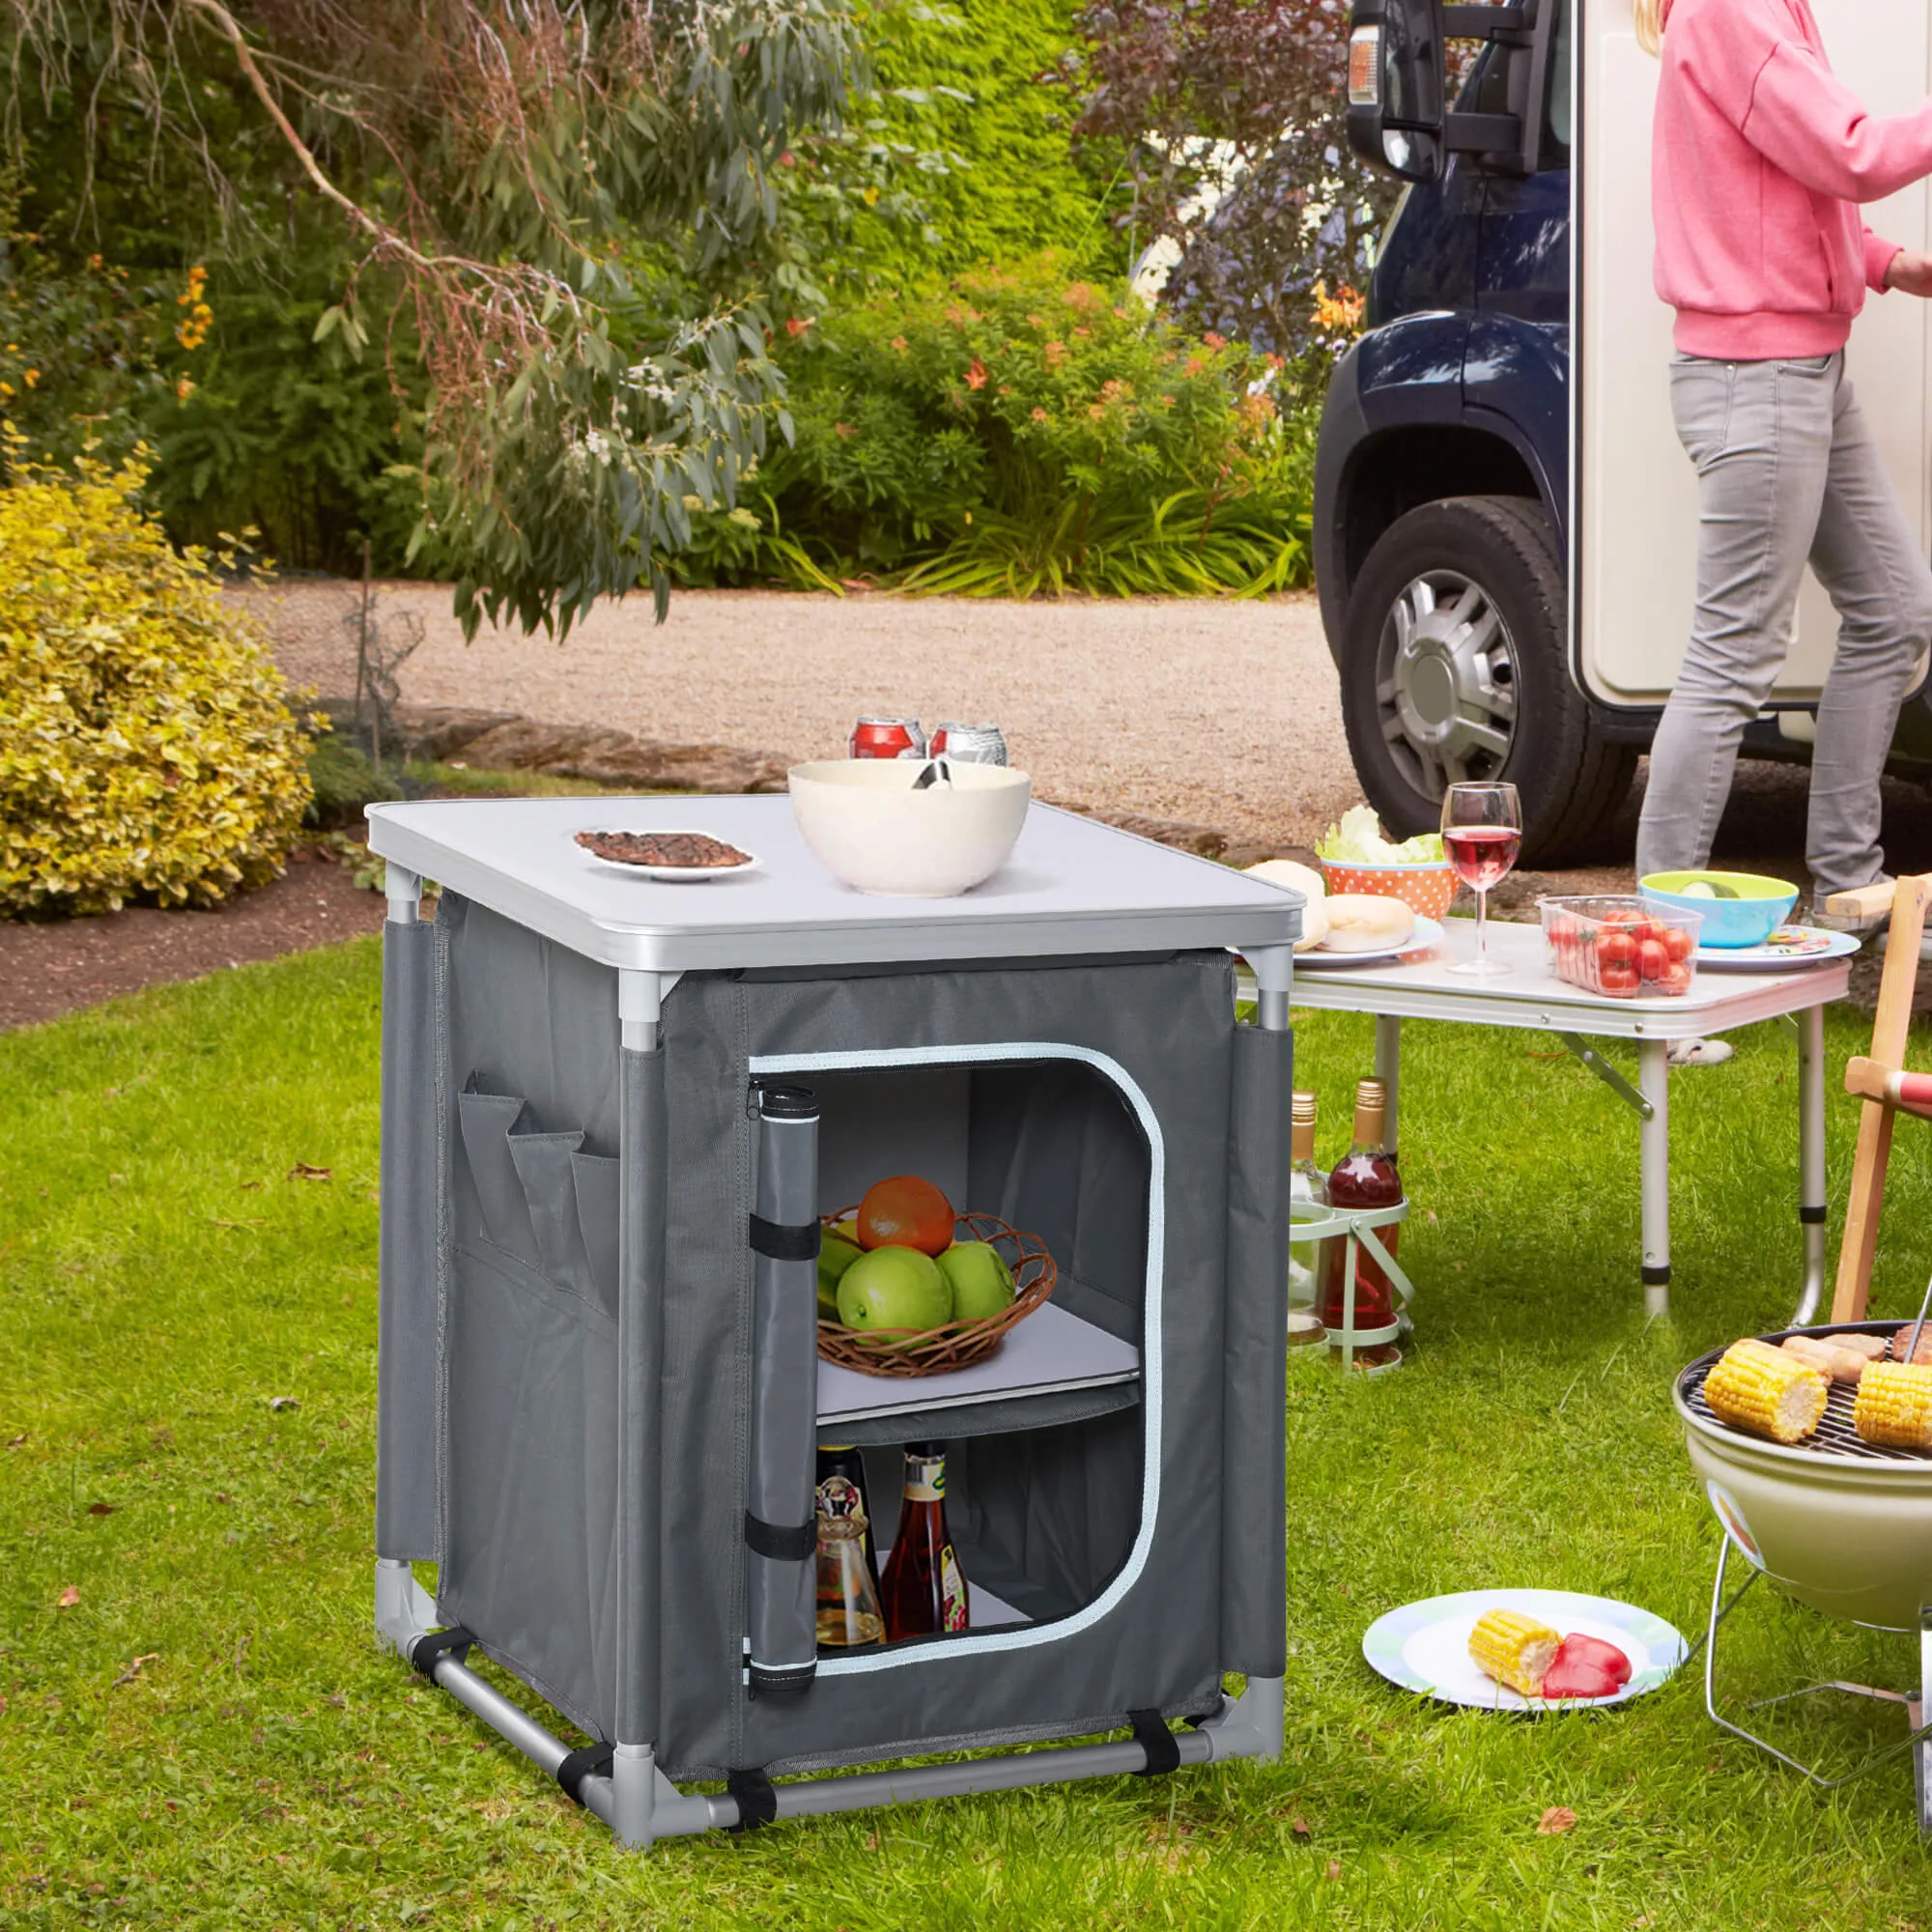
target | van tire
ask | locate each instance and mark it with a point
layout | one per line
(1570, 780)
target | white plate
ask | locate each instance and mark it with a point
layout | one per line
(1803, 946)
(1425, 1646)
(1427, 932)
(672, 875)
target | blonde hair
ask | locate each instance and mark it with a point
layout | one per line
(1649, 17)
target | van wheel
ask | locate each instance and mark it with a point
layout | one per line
(1456, 667)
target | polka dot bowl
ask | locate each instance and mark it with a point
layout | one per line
(1428, 890)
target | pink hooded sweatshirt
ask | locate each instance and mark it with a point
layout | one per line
(1759, 160)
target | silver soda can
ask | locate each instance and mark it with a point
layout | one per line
(970, 744)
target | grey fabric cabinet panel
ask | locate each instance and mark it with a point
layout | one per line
(591, 1532)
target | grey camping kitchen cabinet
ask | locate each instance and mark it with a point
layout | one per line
(612, 1110)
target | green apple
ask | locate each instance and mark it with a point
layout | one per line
(893, 1287)
(981, 1282)
(834, 1257)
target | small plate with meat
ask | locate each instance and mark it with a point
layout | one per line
(680, 858)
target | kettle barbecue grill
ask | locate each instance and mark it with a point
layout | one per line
(1835, 1522)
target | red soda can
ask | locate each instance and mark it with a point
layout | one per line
(970, 744)
(888, 738)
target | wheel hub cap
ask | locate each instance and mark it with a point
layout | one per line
(1446, 682)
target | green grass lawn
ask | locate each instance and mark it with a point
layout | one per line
(167, 1283)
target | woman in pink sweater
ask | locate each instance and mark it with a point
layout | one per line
(1760, 160)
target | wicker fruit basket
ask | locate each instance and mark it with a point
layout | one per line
(953, 1345)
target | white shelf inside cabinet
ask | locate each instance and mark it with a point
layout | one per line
(1048, 1353)
(984, 1609)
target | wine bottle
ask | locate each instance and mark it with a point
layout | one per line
(849, 1616)
(850, 1464)
(1306, 1183)
(923, 1591)
(1366, 1177)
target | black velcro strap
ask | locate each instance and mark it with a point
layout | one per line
(781, 1541)
(424, 1652)
(1657, 1274)
(1162, 1747)
(758, 1802)
(782, 1241)
(588, 1762)
(1812, 1218)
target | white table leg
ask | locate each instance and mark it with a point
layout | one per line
(1811, 1158)
(1653, 1072)
(1388, 1070)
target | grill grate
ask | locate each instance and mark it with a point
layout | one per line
(1834, 1437)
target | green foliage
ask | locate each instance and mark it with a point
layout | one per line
(962, 154)
(1019, 432)
(145, 746)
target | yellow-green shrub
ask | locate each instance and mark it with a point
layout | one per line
(145, 746)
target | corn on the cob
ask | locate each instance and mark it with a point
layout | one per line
(1894, 1405)
(1766, 1391)
(1514, 1649)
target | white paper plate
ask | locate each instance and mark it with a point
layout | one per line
(1427, 932)
(1788, 948)
(672, 875)
(1425, 1646)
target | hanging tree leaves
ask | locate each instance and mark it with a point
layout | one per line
(566, 208)
(1233, 112)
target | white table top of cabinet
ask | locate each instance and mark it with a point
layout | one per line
(1070, 887)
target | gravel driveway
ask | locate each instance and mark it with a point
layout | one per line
(1220, 713)
(1214, 713)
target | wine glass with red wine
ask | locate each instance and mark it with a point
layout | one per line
(1482, 832)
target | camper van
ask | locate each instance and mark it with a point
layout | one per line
(1505, 523)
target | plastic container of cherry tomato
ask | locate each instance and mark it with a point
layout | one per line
(1623, 947)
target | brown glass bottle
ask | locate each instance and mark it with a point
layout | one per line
(1366, 1177)
(923, 1592)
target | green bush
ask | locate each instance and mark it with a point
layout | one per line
(145, 746)
(1019, 432)
(964, 156)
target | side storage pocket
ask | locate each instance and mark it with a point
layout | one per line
(1254, 1613)
(530, 1479)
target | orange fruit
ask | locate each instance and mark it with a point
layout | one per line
(906, 1213)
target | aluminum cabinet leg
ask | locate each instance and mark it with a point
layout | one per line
(1811, 1158)
(1388, 1070)
(1653, 1074)
(1252, 1724)
(1918, 1710)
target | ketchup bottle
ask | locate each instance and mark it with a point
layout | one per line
(922, 1593)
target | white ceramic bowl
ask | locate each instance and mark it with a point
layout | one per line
(866, 823)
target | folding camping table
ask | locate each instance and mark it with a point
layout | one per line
(613, 1114)
(1421, 986)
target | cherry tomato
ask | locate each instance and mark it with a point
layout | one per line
(1622, 917)
(1616, 949)
(1678, 943)
(1651, 958)
(1618, 980)
(1676, 979)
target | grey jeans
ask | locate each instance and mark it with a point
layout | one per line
(1786, 473)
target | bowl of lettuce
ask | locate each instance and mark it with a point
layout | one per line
(1356, 857)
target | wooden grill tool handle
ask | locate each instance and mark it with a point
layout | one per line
(1908, 898)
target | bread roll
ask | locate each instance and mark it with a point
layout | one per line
(1367, 923)
(1297, 878)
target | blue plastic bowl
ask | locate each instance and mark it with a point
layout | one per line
(1761, 905)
